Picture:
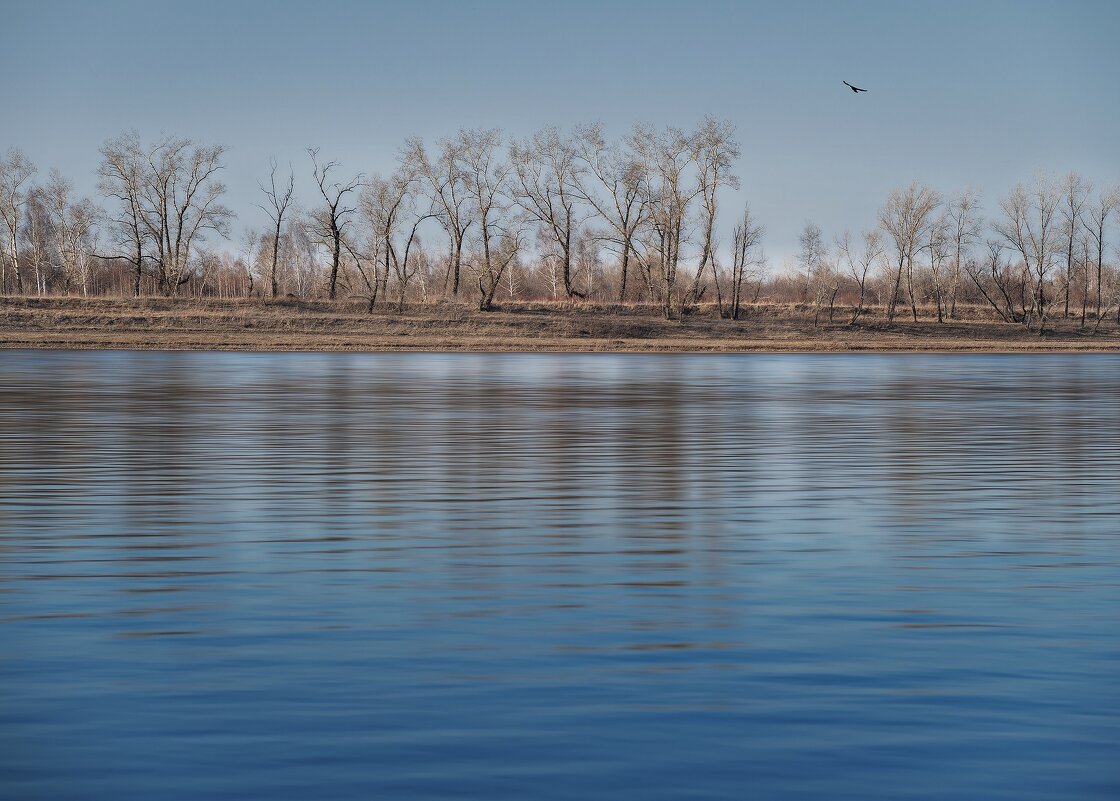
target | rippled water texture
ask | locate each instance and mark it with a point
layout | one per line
(289, 576)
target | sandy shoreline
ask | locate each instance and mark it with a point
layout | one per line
(255, 325)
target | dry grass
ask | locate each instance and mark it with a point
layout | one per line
(187, 324)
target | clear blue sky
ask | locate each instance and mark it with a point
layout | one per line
(962, 93)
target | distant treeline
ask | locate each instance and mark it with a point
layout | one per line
(561, 215)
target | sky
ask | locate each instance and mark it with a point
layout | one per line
(979, 94)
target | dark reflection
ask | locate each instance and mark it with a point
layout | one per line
(431, 576)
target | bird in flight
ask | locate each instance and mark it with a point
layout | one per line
(855, 89)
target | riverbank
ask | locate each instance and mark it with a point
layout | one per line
(298, 325)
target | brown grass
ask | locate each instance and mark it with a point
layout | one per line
(188, 324)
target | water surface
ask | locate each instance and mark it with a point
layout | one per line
(295, 576)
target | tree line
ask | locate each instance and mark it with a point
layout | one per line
(562, 215)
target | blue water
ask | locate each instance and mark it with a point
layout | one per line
(313, 576)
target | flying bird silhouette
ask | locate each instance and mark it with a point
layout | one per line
(855, 89)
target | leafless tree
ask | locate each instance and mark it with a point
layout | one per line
(390, 206)
(812, 258)
(39, 234)
(546, 172)
(250, 239)
(965, 226)
(123, 176)
(747, 258)
(15, 171)
(588, 265)
(445, 183)
(332, 219)
(179, 203)
(938, 247)
(1000, 283)
(279, 198)
(168, 199)
(384, 203)
(301, 244)
(612, 185)
(714, 150)
(550, 263)
(668, 192)
(75, 231)
(367, 259)
(1075, 194)
(498, 234)
(859, 263)
(511, 284)
(491, 264)
(1085, 259)
(1030, 226)
(1096, 223)
(906, 218)
(424, 275)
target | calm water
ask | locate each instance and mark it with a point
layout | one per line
(242, 576)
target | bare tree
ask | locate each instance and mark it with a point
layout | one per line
(546, 169)
(75, 228)
(367, 263)
(1085, 258)
(390, 207)
(714, 149)
(498, 235)
(1075, 194)
(1096, 223)
(512, 282)
(1030, 227)
(965, 226)
(279, 198)
(859, 263)
(424, 274)
(812, 258)
(938, 246)
(179, 203)
(667, 193)
(746, 257)
(550, 263)
(1002, 283)
(123, 175)
(905, 218)
(445, 183)
(588, 267)
(612, 185)
(489, 271)
(15, 171)
(335, 215)
(384, 204)
(250, 239)
(301, 246)
(39, 235)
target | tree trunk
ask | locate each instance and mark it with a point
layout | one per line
(893, 302)
(1069, 272)
(623, 266)
(457, 262)
(335, 257)
(910, 288)
(1100, 269)
(859, 305)
(1084, 292)
(275, 258)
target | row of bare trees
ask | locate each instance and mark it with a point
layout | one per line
(566, 201)
(1041, 255)
(563, 215)
(555, 196)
